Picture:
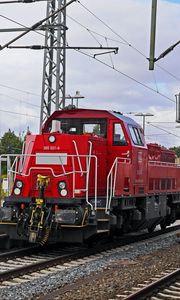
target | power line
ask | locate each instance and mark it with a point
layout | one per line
(24, 27)
(168, 132)
(16, 113)
(21, 101)
(36, 25)
(94, 32)
(128, 76)
(122, 73)
(19, 90)
(166, 71)
(123, 39)
(126, 42)
(155, 134)
(20, 1)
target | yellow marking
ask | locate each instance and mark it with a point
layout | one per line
(39, 201)
(41, 221)
(74, 226)
(43, 180)
(7, 223)
(32, 214)
(100, 208)
(85, 213)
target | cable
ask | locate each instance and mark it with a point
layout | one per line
(21, 101)
(15, 113)
(163, 130)
(17, 23)
(163, 122)
(92, 31)
(129, 44)
(154, 134)
(36, 25)
(128, 76)
(21, 1)
(19, 90)
(174, 76)
(114, 40)
(124, 40)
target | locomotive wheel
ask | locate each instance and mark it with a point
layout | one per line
(163, 225)
(151, 228)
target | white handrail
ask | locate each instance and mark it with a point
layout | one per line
(77, 153)
(13, 170)
(88, 162)
(111, 181)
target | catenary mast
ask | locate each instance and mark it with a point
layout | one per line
(53, 84)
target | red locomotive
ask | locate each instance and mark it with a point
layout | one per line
(89, 172)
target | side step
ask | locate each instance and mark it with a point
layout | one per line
(103, 231)
(103, 221)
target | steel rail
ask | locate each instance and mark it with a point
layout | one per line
(153, 287)
(46, 263)
(78, 252)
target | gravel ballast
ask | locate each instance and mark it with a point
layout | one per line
(103, 278)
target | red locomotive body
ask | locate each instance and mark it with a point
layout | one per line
(89, 172)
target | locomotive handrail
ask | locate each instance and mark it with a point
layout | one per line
(162, 163)
(88, 161)
(77, 153)
(111, 181)
(23, 149)
(15, 170)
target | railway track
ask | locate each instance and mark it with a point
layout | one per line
(24, 264)
(19, 268)
(160, 287)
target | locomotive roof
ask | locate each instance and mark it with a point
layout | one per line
(124, 118)
(90, 113)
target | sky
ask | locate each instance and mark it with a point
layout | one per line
(120, 82)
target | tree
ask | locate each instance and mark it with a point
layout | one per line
(176, 150)
(10, 143)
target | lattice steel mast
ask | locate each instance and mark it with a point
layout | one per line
(54, 68)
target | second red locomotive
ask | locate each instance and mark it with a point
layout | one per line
(89, 172)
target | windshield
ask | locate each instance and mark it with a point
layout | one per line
(81, 126)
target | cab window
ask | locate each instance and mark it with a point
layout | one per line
(81, 126)
(92, 128)
(136, 135)
(118, 136)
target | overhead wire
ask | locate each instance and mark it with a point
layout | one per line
(21, 101)
(123, 39)
(112, 30)
(128, 76)
(18, 90)
(16, 113)
(36, 25)
(20, 24)
(94, 32)
(162, 129)
(20, 1)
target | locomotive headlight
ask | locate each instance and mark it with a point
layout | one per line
(62, 185)
(19, 184)
(17, 191)
(52, 138)
(63, 192)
